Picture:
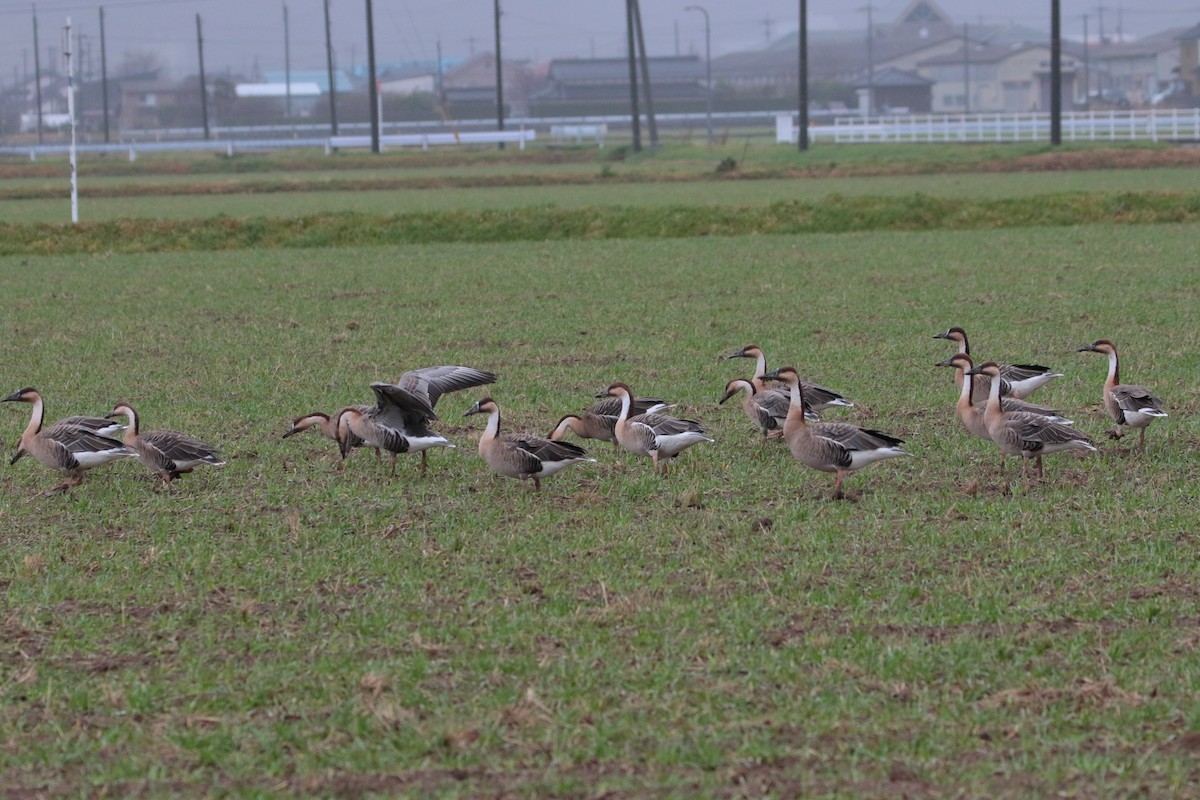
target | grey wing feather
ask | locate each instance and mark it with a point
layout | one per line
(1012, 404)
(775, 402)
(666, 425)
(817, 395)
(80, 440)
(611, 406)
(643, 433)
(430, 383)
(1022, 372)
(518, 454)
(176, 446)
(1135, 398)
(400, 409)
(1036, 428)
(95, 424)
(545, 449)
(852, 437)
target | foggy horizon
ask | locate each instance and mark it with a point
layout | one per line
(240, 37)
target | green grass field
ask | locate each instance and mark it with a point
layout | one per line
(285, 627)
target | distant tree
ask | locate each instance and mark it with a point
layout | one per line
(140, 62)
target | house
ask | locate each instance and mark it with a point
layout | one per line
(1189, 63)
(147, 104)
(894, 91)
(473, 83)
(671, 77)
(1137, 70)
(341, 81)
(300, 96)
(998, 78)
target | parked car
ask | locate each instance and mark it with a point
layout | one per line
(1109, 98)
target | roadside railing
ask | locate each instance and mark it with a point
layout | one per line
(1149, 125)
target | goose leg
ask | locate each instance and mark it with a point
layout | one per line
(1039, 468)
(424, 462)
(393, 465)
(74, 479)
(1142, 438)
(654, 460)
(378, 455)
(837, 486)
(537, 484)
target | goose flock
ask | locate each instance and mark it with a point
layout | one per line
(991, 405)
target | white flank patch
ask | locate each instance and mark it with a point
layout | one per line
(861, 458)
(91, 459)
(417, 444)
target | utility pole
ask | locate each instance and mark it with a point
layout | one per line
(37, 76)
(1100, 16)
(499, 75)
(104, 73)
(333, 128)
(641, 39)
(966, 71)
(82, 61)
(203, 83)
(1087, 88)
(287, 65)
(802, 46)
(708, 90)
(372, 89)
(870, 58)
(441, 97)
(71, 116)
(1055, 73)
(633, 85)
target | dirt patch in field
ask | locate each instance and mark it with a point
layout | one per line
(1084, 693)
(833, 623)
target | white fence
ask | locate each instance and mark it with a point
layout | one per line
(425, 140)
(1077, 126)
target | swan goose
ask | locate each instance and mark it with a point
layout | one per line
(1127, 403)
(818, 398)
(766, 408)
(520, 455)
(599, 421)
(1017, 380)
(325, 424)
(837, 447)
(660, 436)
(427, 384)
(971, 413)
(65, 447)
(167, 453)
(1023, 434)
(398, 423)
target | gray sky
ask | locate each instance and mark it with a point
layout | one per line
(240, 33)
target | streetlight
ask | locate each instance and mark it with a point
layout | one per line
(707, 69)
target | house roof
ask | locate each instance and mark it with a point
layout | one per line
(892, 78)
(616, 70)
(1161, 42)
(828, 56)
(318, 76)
(1190, 34)
(297, 89)
(994, 54)
(150, 86)
(479, 71)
